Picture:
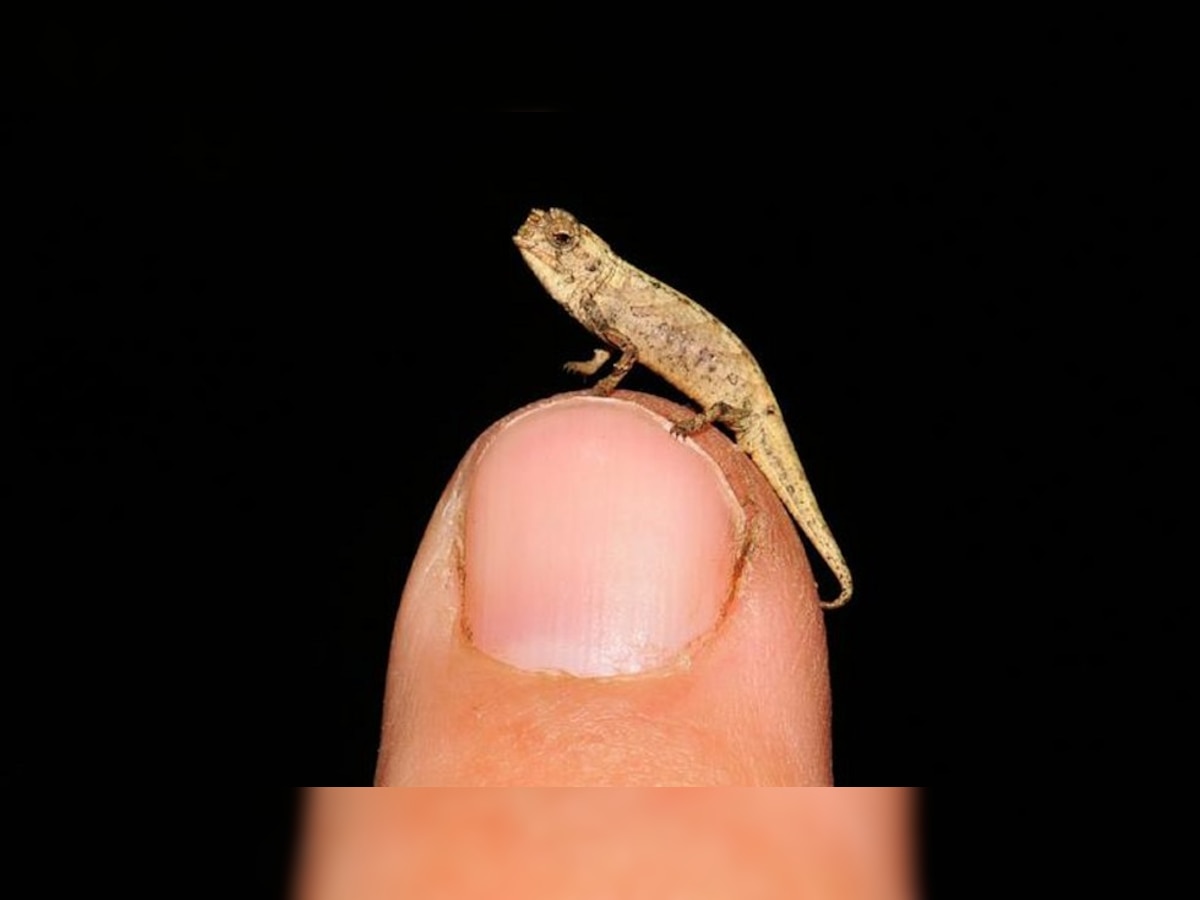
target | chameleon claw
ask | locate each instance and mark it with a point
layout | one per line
(589, 367)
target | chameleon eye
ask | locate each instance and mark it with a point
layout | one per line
(562, 239)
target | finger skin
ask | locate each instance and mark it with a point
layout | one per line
(747, 704)
(833, 843)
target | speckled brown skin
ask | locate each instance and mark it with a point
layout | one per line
(672, 335)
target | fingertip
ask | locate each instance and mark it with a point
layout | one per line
(579, 541)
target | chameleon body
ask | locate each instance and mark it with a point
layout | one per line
(673, 336)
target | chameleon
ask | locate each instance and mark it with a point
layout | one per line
(676, 338)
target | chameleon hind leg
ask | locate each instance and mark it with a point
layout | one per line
(720, 411)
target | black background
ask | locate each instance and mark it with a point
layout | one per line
(250, 335)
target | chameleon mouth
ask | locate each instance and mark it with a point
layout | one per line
(527, 235)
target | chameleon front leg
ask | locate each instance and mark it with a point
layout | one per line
(597, 322)
(626, 361)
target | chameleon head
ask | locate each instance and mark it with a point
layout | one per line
(566, 256)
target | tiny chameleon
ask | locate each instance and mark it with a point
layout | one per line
(676, 338)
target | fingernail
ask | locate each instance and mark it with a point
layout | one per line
(596, 543)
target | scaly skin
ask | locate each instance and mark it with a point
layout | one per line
(672, 335)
